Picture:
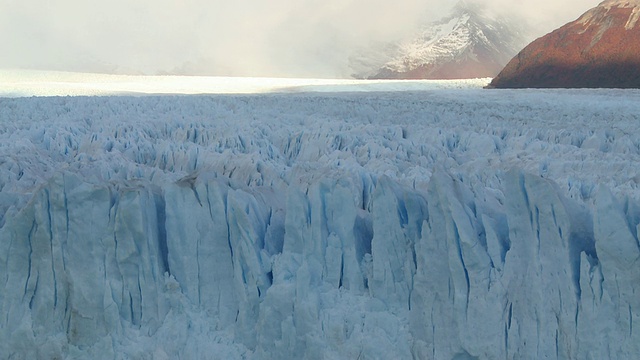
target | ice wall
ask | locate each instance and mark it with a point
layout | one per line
(269, 251)
(437, 274)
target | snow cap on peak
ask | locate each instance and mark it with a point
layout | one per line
(625, 4)
(620, 3)
(588, 17)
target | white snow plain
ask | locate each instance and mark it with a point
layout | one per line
(431, 224)
(24, 83)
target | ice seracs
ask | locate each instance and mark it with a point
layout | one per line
(443, 224)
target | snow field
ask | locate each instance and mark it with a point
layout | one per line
(25, 83)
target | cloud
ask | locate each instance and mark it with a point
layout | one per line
(224, 37)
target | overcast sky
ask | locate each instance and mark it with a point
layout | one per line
(307, 38)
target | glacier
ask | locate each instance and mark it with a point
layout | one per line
(432, 224)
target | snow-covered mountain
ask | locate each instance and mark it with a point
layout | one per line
(468, 43)
(599, 49)
(495, 225)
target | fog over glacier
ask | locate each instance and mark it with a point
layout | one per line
(228, 38)
(432, 223)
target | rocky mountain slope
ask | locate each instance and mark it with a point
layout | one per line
(600, 49)
(465, 44)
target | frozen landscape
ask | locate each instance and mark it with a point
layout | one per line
(316, 219)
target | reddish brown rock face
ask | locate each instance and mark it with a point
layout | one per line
(599, 50)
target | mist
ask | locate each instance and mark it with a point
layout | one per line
(279, 38)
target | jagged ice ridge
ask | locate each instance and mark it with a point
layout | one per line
(444, 224)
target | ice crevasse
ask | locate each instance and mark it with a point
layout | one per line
(283, 260)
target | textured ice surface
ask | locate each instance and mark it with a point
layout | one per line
(441, 224)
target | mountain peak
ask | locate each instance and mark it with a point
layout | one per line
(464, 6)
(620, 3)
(600, 49)
(463, 44)
(605, 9)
